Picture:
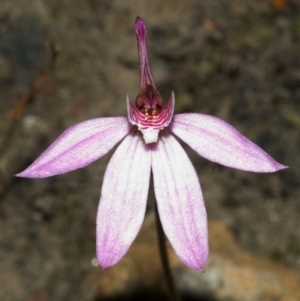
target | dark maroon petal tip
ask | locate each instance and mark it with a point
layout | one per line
(140, 28)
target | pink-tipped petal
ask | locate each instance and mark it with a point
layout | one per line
(180, 202)
(217, 141)
(78, 146)
(123, 200)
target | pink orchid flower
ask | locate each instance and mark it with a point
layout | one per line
(148, 144)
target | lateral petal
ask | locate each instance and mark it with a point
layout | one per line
(180, 202)
(123, 199)
(78, 146)
(217, 141)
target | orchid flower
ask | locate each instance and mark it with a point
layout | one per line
(148, 143)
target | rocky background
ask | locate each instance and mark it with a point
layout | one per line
(65, 61)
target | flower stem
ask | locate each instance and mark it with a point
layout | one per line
(174, 296)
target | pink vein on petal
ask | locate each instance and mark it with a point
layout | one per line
(123, 199)
(180, 202)
(216, 140)
(78, 146)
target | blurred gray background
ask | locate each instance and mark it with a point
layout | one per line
(235, 59)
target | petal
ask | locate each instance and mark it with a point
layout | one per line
(180, 202)
(141, 35)
(123, 200)
(217, 141)
(78, 146)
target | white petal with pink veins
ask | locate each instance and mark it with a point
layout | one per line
(123, 200)
(217, 141)
(78, 146)
(180, 202)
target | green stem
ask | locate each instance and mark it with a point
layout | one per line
(174, 296)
